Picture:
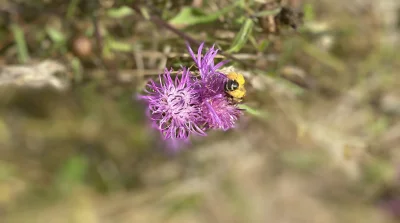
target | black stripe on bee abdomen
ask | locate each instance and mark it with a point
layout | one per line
(231, 85)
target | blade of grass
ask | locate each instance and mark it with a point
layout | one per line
(163, 24)
(22, 49)
(192, 16)
(254, 112)
(72, 173)
(58, 38)
(121, 12)
(309, 12)
(55, 35)
(267, 12)
(77, 69)
(119, 46)
(324, 57)
(242, 37)
(72, 6)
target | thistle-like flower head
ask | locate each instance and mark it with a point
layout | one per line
(174, 106)
(219, 113)
(205, 63)
(191, 104)
(217, 109)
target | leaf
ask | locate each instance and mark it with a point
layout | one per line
(324, 57)
(378, 171)
(72, 6)
(77, 69)
(121, 12)
(120, 46)
(242, 37)
(263, 45)
(22, 49)
(55, 35)
(253, 111)
(309, 13)
(72, 173)
(267, 12)
(192, 16)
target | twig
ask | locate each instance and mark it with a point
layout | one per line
(99, 42)
(161, 23)
(158, 21)
(158, 54)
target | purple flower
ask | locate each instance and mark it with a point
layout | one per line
(220, 113)
(205, 63)
(190, 104)
(217, 109)
(174, 106)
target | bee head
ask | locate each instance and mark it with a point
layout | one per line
(231, 85)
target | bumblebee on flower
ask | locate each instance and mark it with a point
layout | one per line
(193, 104)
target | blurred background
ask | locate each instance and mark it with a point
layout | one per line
(319, 142)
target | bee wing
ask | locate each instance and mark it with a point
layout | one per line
(227, 70)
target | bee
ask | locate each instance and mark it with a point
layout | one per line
(234, 86)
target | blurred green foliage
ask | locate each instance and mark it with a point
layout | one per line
(96, 134)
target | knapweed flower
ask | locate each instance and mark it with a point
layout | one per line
(205, 63)
(174, 105)
(191, 104)
(217, 109)
(219, 113)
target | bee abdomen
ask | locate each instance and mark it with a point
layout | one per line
(231, 85)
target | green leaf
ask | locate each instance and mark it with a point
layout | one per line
(378, 171)
(309, 13)
(145, 13)
(72, 6)
(19, 37)
(263, 45)
(192, 16)
(253, 111)
(77, 69)
(121, 12)
(267, 12)
(55, 35)
(120, 46)
(72, 173)
(242, 37)
(324, 57)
